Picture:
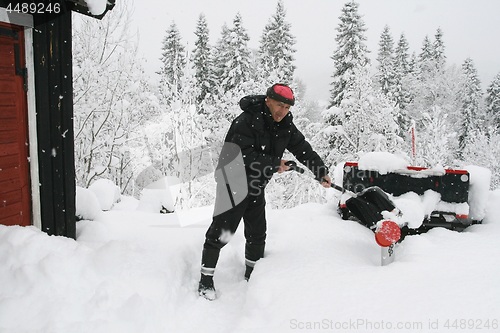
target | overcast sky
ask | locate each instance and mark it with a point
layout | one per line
(471, 28)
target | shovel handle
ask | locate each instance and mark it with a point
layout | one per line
(294, 167)
(338, 188)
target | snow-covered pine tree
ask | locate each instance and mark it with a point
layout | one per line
(403, 77)
(493, 102)
(220, 55)
(439, 51)
(364, 122)
(426, 59)
(202, 61)
(207, 102)
(402, 56)
(386, 75)
(173, 61)
(233, 60)
(351, 53)
(276, 52)
(413, 64)
(112, 97)
(470, 96)
(435, 89)
(435, 106)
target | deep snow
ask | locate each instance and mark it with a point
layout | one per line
(136, 271)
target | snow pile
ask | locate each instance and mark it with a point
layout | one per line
(87, 205)
(478, 191)
(147, 176)
(382, 162)
(133, 271)
(106, 192)
(160, 196)
(415, 208)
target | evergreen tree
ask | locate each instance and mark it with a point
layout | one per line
(434, 86)
(173, 62)
(386, 75)
(401, 56)
(426, 58)
(403, 76)
(221, 54)
(470, 97)
(233, 56)
(413, 67)
(439, 52)
(433, 105)
(493, 102)
(202, 61)
(365, 121)
(351, 52)
(276, 53)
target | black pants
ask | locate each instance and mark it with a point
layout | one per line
(252, 210)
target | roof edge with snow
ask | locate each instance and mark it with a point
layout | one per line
(93, 8)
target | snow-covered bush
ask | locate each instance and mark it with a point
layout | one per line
(87, 205)
(147, 176)
(160, 196)
(106, 192)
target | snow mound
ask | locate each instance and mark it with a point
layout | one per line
(479, 186)
(147, 176)
(107, 193)
(160, 196)
(382, 162)
(87, 205)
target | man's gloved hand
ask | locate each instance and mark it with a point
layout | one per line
(326, 181)
(283, 166)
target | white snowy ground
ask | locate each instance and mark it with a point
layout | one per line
(131, 271)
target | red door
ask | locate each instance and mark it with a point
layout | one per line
(15, 199)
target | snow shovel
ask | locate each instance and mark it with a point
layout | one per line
(367, 206)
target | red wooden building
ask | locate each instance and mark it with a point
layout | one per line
(37, 172)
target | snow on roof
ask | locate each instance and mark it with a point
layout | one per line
(96, 7)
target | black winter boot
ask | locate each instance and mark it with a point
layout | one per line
(206, 287)
(248, 272)
(253, 252)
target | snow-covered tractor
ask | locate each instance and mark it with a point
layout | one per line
(395, 200)
(422, 198)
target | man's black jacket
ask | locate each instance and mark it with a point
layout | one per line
(263, 141)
